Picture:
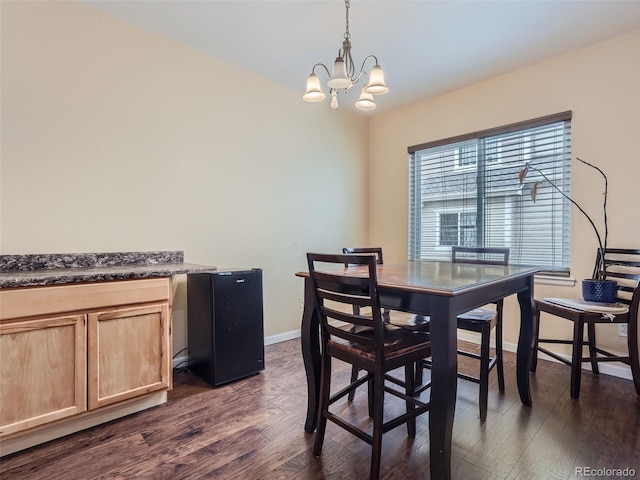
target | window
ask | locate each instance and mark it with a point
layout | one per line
(466, 191)
(457, 229)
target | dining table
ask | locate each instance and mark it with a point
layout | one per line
(441, 290)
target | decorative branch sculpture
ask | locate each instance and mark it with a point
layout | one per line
(600, 271)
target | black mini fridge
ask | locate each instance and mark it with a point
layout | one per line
(225, 324)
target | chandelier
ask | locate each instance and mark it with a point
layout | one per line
(344, 76)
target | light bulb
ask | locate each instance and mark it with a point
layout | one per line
(334, 99)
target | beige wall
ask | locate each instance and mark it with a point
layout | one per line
(116, 139)
(599, 84)
(113, 138)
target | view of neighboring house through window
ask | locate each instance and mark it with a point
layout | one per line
(466, 191)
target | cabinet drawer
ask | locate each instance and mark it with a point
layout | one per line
(35, 301)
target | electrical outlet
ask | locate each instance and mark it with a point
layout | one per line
(622, 329)
(301, 303)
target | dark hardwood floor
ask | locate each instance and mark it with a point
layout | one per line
(252, 429)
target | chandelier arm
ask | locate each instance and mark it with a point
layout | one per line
(367, 58)
(348, 59)
(313, 70)
(356, 79)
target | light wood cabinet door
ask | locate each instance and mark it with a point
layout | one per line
(129, 353)
(42, 372)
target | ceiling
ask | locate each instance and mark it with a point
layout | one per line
(425, 47)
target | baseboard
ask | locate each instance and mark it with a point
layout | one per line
(182, 360)
(282, 337)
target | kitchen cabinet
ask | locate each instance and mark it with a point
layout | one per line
(76, 355)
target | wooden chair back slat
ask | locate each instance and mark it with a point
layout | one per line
(623, 266)
(480, 255)
(357, 250)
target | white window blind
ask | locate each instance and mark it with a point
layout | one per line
(466, 191)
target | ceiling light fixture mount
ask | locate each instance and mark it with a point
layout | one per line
(344, 76)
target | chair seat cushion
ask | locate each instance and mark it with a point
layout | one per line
(408, 321)
(397, 341)
(579, 304)
(480, 315)
(421, 323)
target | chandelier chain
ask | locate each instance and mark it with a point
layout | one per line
(346, 44)
(347, 35)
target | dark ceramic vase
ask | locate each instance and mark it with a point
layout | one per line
(602, 291)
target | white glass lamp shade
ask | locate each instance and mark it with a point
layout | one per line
(339, 78)
(365, 102)
(376, 85)
(314, 91)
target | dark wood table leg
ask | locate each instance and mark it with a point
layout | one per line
(525, 342)
(443, 386)
(310, 340)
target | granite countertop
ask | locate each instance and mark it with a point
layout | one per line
(57, 269)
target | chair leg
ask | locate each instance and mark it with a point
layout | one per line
(409, 375)
(576, 358)
(371, 395)
(634, 357)
(484, 371)
(378, 418)
(419, 377)
(591, 338)
(536, 336)
(354, 370)
(499, 363)
(325, 390)
(354, 377)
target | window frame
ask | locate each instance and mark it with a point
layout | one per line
(526, 149)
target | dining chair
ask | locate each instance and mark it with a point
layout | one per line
(622, 265)
(364, 341)
(399, 319)
(483, 321)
